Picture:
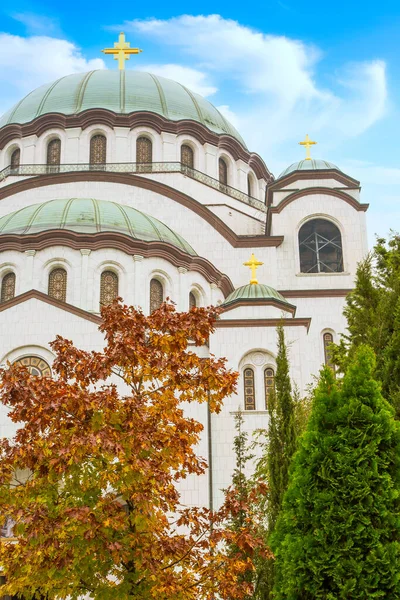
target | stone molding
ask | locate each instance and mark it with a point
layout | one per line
(101, 116)
(290, 308)
(237, 241)
(232, 323)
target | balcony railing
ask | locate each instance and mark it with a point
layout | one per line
(135, 168)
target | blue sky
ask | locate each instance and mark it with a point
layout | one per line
(278, 70)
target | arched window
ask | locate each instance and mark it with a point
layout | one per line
(35, 365)
(8, 287)
(269, 383)
(54, 153)
(249, 186)
(222, 172)
(15, 159)
(320, 246)
(108, 287)
(58, 284)
(187, 156)
(249, 389)
(156, 294)
(192, 300)
(328, 340)
(98, 149)
(144, 154)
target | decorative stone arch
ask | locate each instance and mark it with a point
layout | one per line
(166, 281)
(58, 263)
(85, 141)
(198, 151)
(155, 139)
(252, 188)
(120, 272)
(340, 228)
(43, 142)
(257, 359)
(13, 155)
(198, 293)
(231, 169)
(28, 350)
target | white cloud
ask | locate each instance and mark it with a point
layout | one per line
(37, 24)
(26, 63)
(195, 80)
(275, 79)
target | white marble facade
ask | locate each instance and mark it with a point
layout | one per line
(221, 229)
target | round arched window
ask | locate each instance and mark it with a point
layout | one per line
(35, 365)
(320, 247)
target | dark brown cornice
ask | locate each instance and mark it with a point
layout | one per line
(237, 241)
(273, 210)
(339, 293)
(79, 312)
(119, 241)
(283, 182)
(232, 323)
(290, 308)
(101, 116)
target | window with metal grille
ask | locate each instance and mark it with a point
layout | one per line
(320, 247)
(328, 340)
(156, 294)
(222, 171)
(15, 159)
(249, 389)
(144, 153)
(98, 149)
(108, 287)
(192, 300)
(8, 287)
(187, 156)
(35, 365)
(269, 384)
(58, 284)
(54, 152)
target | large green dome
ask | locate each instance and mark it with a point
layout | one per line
(86, 215)
(122, 92)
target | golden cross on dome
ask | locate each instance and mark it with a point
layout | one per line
(253, 263)
(307, 143)
(121, 51)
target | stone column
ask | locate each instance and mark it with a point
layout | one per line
(183, 291)
(29, 266)
(84, 301)
(139, 285)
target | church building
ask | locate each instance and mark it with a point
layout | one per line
(123, 183)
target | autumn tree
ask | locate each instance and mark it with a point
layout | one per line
(373, 316)
(338, 535)
(90, 478)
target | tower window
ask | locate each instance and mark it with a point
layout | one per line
(156, 294)
(328, 340)
(320, 247)
(58, 284)
(249, 389)
(15, 159)
(108, 287)
(222, 171)
(54, 152)
(8, 287)
(98, 149)
(269, 384)
(192, 300)
(187, 156)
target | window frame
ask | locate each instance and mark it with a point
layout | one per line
(51, 274)
(319, 260)
(250, 407)
(105, 272)
(94, 164)
(162, 286)
(8, 274)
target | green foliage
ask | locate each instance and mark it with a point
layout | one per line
(339, 530)
(373, 316)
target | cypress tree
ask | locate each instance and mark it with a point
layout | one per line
(338, 535)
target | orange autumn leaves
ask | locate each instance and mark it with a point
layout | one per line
(90, 476)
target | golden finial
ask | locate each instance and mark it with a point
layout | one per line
(307, 143)
(253, 263)
(121, 51)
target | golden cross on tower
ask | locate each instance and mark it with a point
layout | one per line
(253, 263)
(121, 51)
(307, 143)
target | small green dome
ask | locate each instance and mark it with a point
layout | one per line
(313, 164)
(256, 291)
(86, 215)
(121, 92)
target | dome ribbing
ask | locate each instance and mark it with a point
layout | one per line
(255, 292)
(87, 215)
(121, 92)
(314, 164)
